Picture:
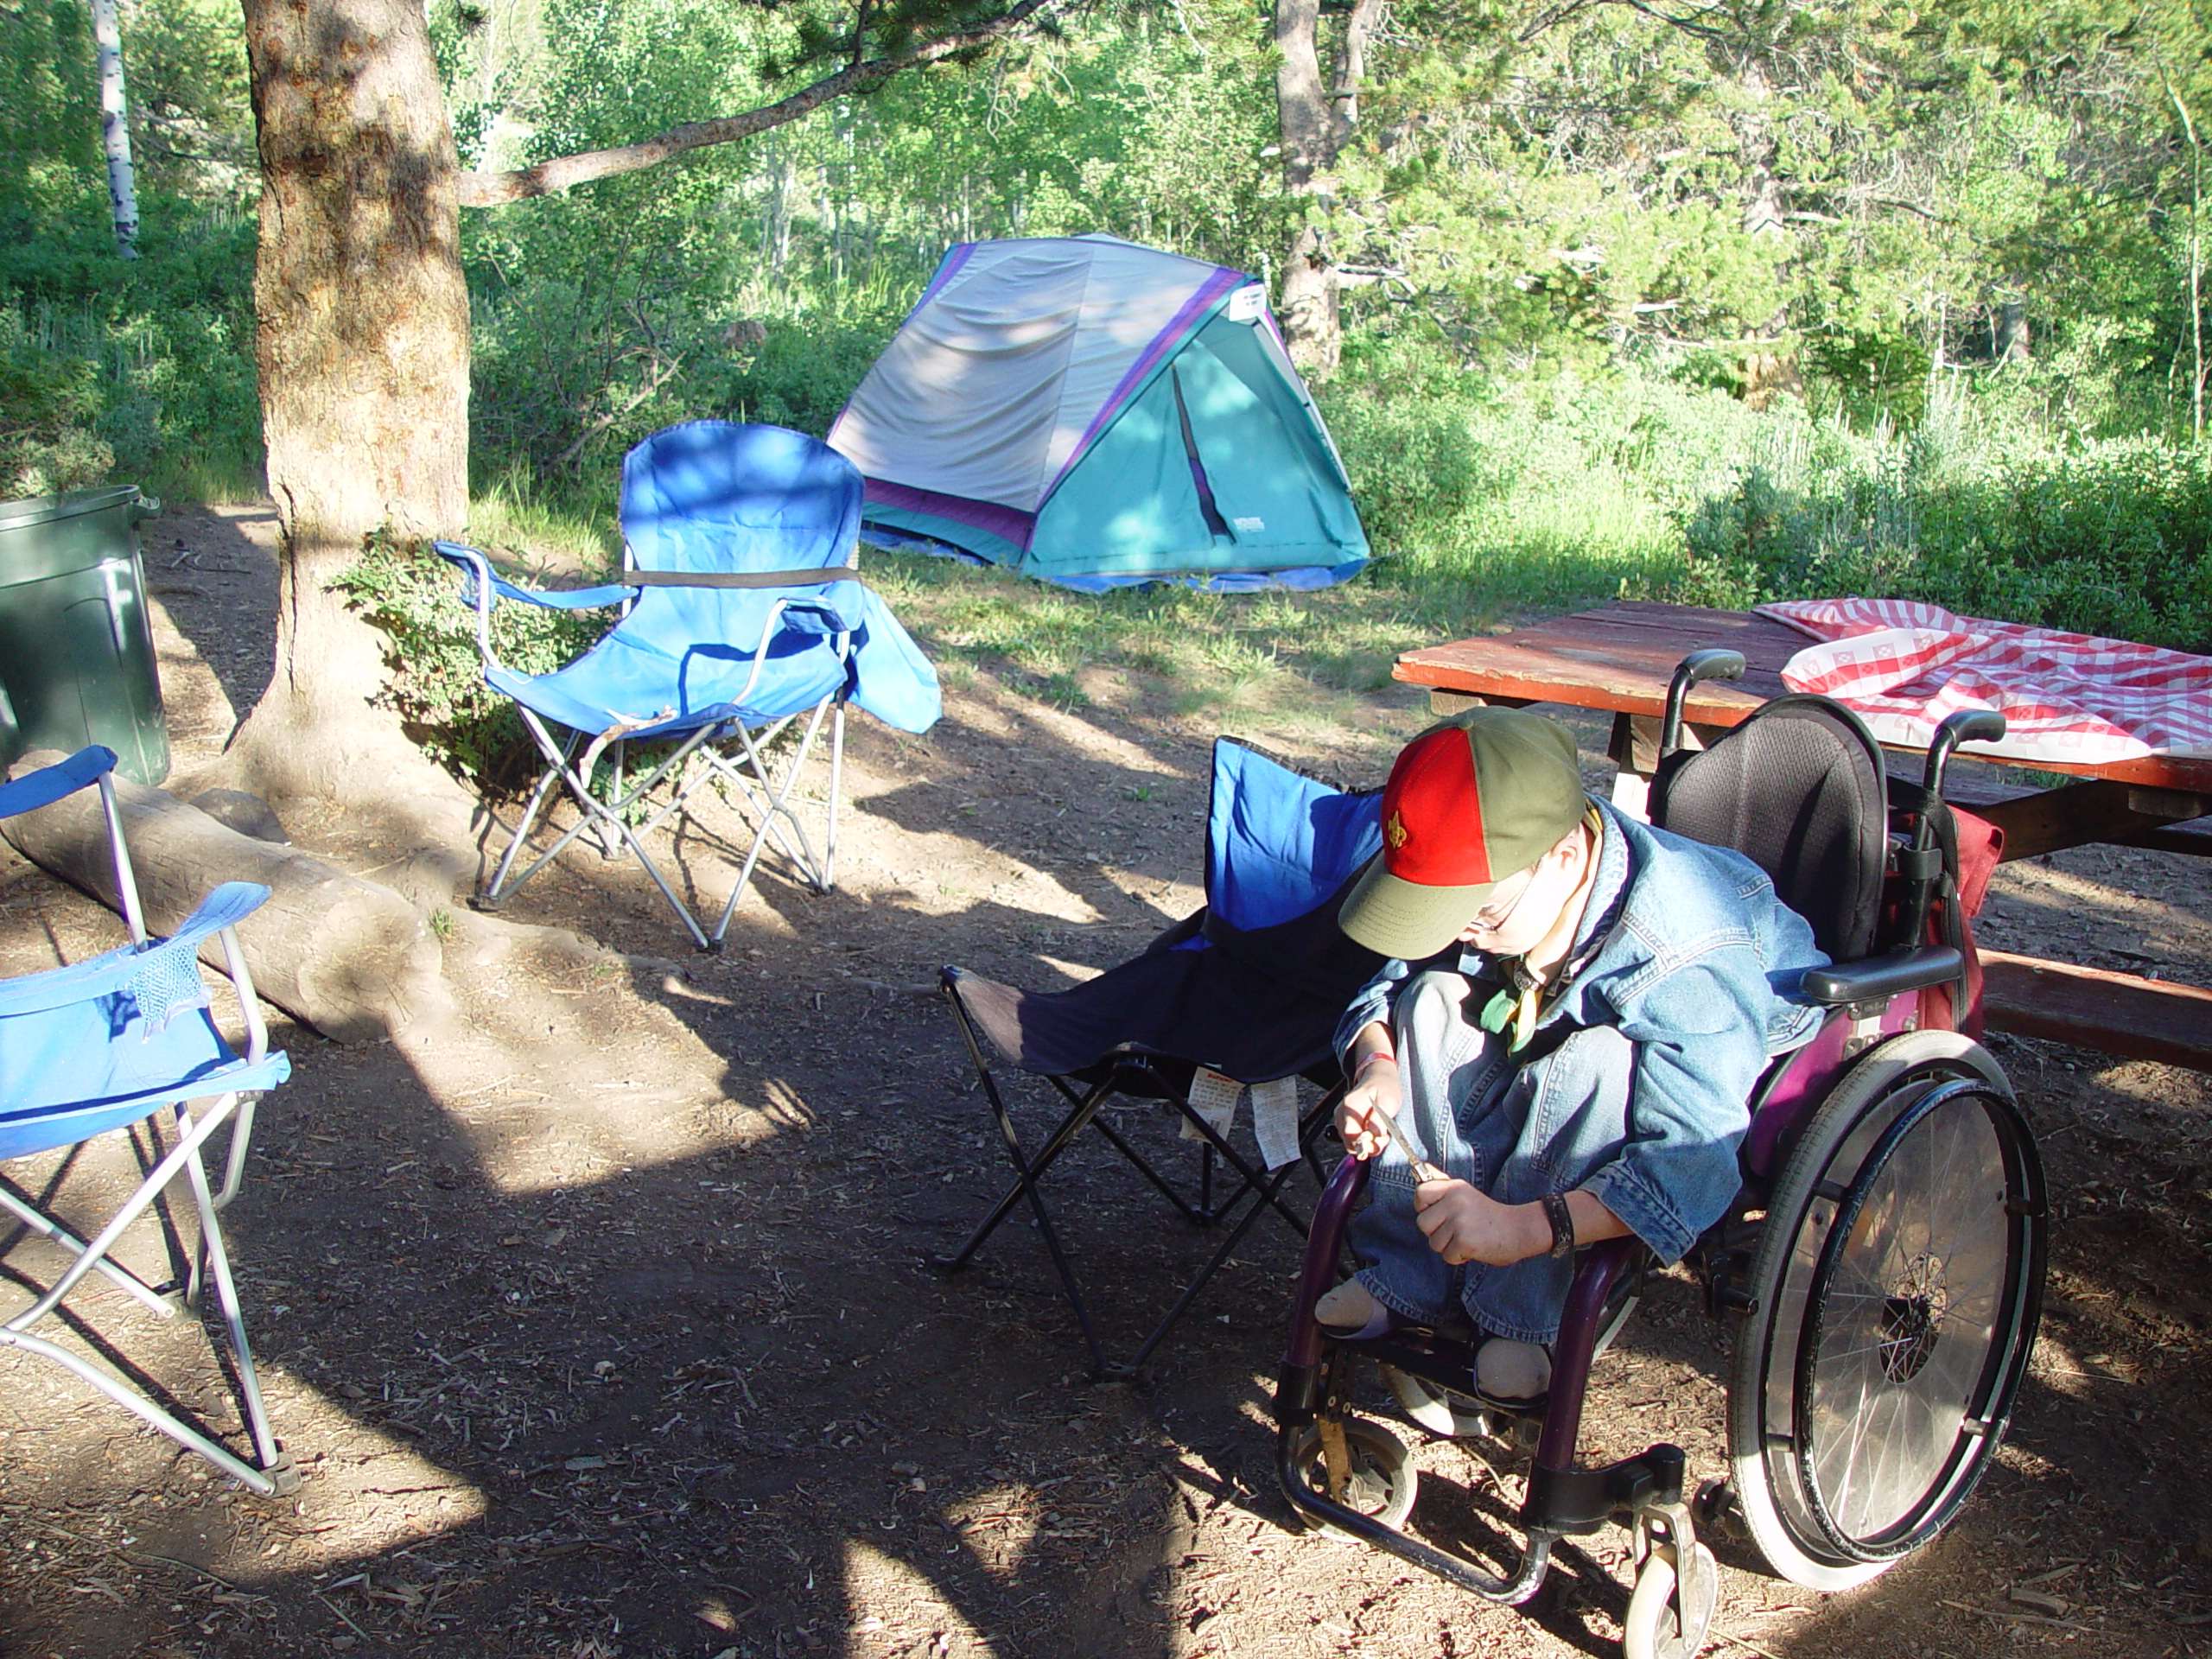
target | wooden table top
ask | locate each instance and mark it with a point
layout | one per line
(1620, 659)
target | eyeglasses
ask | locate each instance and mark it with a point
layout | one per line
(1489, 918)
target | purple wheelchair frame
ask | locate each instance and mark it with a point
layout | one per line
(1869, 1000)
(1562, 1499)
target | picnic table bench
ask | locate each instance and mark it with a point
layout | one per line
(1619, 658)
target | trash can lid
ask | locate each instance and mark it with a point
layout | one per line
(45, 509)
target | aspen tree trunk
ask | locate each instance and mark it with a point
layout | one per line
(114, 127)
(1315, 123)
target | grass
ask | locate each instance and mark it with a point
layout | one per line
(1495, 505)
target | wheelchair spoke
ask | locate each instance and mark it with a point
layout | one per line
(1909, 1316)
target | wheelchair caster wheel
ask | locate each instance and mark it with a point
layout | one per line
(1670, 1610)
(1381, 1481)
(1717, 1513)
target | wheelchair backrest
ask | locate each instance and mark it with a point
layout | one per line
(1798, 788)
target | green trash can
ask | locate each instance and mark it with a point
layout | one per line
(76, 642)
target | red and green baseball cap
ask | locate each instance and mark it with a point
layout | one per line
(1470, 802)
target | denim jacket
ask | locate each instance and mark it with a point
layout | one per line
(1696, 963)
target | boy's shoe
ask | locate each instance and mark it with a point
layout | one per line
(1350, 1312)
(1511, 1370)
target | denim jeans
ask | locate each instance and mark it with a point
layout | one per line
(1636, 1089)
(1467, 1109)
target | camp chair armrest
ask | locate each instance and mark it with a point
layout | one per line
(62, 987)
(481, 586)
(50, 784)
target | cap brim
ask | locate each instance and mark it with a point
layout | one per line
(1405, 919)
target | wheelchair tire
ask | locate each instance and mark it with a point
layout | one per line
(1383, 1480)
(1668, 1618)
(1896, 1290)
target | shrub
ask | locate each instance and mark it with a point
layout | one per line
(437, 684)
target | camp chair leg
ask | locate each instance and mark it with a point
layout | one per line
(601, 817)
(187, 1148)
(275, 1476)
(1204, 1277)
(1025, 1186)
(226, 1302)
(610, 846)
(43, 1224)
(272, 1482)
(772, 803)
(491, 897)
(837, 793)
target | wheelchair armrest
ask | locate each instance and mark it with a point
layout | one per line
(1876, 979)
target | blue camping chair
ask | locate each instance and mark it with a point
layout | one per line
(1246, 991)
(116, 1043)
(745, 615)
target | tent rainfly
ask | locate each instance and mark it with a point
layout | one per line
(1097, 414)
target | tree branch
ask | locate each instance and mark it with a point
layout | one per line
(563, 172)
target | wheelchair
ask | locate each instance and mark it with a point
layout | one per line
(1881, 1269)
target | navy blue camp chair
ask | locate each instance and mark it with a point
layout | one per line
(745, 615)
(1248, 988)
(118, 1043)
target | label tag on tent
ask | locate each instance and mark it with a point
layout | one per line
(1213, 1097)
(1249, 304)
(1275, 1120)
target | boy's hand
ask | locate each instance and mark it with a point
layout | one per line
(1361, 1113)
(1462, 1225)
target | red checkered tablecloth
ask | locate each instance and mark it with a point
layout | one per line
(2069, 698)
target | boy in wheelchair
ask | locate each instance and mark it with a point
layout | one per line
(1561, 1048)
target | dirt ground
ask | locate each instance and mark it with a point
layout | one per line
(599, 1320)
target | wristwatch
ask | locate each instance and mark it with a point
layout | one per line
(1562, 1221)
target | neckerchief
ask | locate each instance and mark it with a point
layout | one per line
(1522, 1001)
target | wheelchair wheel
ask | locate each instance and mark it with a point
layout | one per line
(1383, 1480)
(1668, 1618)
(1897, 1288)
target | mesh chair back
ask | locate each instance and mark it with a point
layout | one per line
(1798, 789)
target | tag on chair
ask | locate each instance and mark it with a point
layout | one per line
(1213, 1097)
(1275, 1120)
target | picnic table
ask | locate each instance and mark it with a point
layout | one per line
(1618, 659)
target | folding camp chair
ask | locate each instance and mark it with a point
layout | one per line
(116, 1043)
(746, 616)
(1246, 991)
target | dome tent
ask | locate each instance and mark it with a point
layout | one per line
(1097, 413)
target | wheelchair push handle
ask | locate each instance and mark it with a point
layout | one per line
(1922, 863)
(1711, 664)
(1968, 725)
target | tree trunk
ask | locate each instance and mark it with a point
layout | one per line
(351, 957)
(1308, 308)
(363, 351)
(114, 127)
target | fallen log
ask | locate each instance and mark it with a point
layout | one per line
(350, 957)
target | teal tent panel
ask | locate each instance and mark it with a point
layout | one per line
(1129, 507)
(1275, 481)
